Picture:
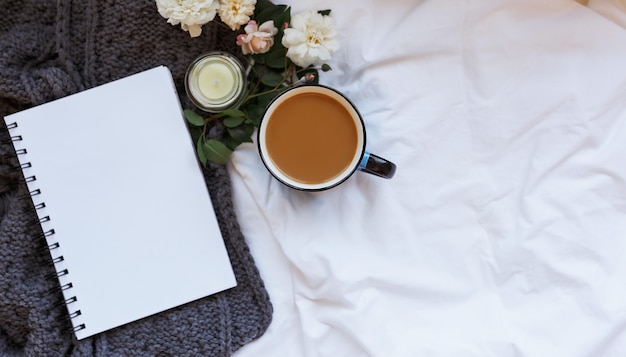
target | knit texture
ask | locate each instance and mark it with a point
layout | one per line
(48, 50)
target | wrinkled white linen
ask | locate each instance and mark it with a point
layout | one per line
(504, 230)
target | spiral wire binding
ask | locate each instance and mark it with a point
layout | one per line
(46, 234)
(59, 288)
(79, 327)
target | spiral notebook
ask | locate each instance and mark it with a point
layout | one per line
(121, 201)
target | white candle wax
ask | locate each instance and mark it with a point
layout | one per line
(215, 81)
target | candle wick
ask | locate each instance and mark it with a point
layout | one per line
(216, 82)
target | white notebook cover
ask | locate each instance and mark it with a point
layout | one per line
(126, 198)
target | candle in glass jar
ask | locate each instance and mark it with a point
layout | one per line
(215, 81)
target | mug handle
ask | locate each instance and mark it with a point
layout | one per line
(376, 165)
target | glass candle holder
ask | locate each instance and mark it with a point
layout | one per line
(215, 81)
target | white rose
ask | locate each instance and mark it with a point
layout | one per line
(257, 39)
(311, 39)
(190, 14)
(235, 13)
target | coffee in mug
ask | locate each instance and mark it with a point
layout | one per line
(313, 138)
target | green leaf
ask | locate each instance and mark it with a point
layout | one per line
(262, 5)
(281, 20)
(235, 113)
(200, 150)
(265, 99)
(231, 143)
(231, 122)
(255, 74)
(216, 151)
(255, 113)
(242, 133)
(276, 57)
(272, 79)
(326, 67)
(270, 12)
(259, 59)
(193, 118)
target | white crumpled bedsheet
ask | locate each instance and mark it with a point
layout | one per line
(503, 232)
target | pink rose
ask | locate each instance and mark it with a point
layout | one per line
(257, 39)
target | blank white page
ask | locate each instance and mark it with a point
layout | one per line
(126, 199)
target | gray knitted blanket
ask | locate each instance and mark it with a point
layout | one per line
(49, 49)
